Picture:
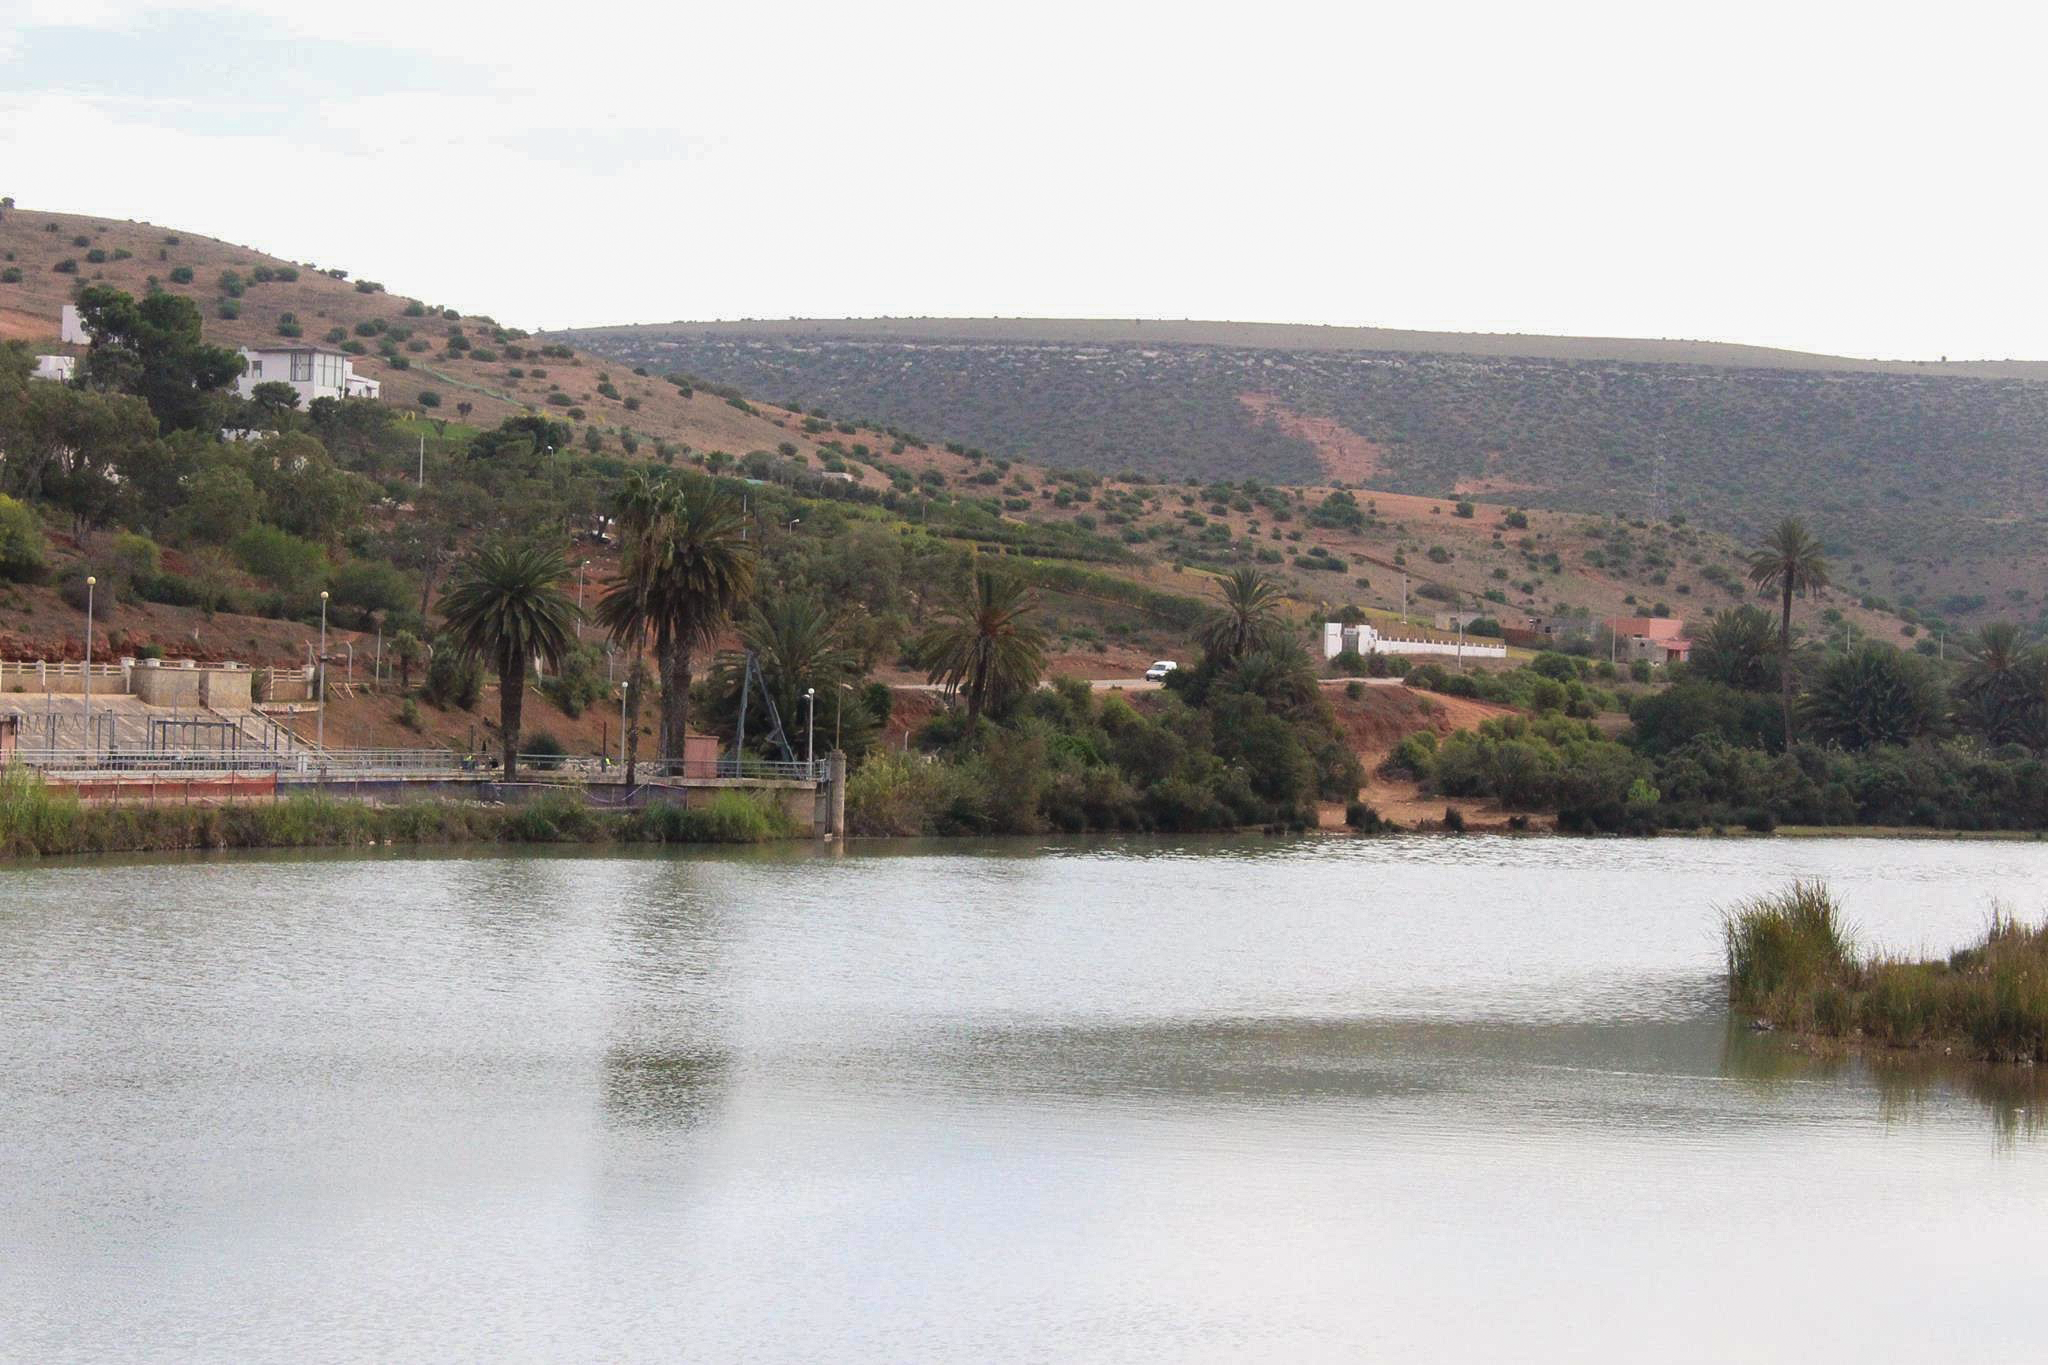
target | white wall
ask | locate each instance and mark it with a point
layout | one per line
(57, 367)
(70, 329)
(331, 373)
(1366, 640)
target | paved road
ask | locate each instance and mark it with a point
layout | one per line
(1099, 684)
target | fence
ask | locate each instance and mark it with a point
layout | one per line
(353, 763)
(338, 762)
(33, 675)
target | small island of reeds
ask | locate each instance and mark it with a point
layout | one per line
(1794, 964)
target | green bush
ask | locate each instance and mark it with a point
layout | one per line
(281, 559)
(453, 678)
(22, 551)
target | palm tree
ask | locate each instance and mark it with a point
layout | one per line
(982, 646)
(642, 513)
(800, 644)
(686, 566)
(507, 608)
(1875, 694)
(1789, 562)
(1246, 619)
(2001, 683)
(1736, 648)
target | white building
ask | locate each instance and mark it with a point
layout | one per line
(1338, 637)
(314, 371)
(57, 367)
(71, 329)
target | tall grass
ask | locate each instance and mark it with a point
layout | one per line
(37, 821)
(1792, 961)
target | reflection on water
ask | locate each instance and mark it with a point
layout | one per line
(1426, 1099)
(1907, 1086)
(662, 1090)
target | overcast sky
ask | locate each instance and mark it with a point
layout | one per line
(1861, 179)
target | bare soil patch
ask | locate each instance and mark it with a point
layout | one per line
(1342, 452)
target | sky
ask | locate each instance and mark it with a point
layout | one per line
(1857, 179)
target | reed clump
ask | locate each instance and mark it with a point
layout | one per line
(1793, 962)
(36, 821)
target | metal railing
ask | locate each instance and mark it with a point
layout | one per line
(332, 763)
(364, 763)
(728, 767)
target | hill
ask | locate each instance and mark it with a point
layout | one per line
(1122, 561)
(1930, 474)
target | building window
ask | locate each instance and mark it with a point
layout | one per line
(255, 369)
(302, 367)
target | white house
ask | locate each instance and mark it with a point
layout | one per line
(57, 367)
(315, 371)
(71, 329)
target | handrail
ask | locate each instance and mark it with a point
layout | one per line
(332, 763)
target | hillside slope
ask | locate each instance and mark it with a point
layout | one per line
(497, 377)
(1141, 542)
(1932, 474)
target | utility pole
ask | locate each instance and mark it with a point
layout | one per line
(423, 460)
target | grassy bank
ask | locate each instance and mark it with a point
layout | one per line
(1793, 962)
(37, 822)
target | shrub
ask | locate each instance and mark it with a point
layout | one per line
(429, 399)
(21, 542)
(453, 678)
(67, 266)
(280, 558)
(543, 748)
(181, 274)
(11, 275)
(136, 557)
(105, 597)
(1363, 818)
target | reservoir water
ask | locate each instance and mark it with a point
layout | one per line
(1416, 1099)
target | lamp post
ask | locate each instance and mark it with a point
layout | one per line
(90, 580)
(810, 726)
(579, 597)
(320, 715)
(839, 715)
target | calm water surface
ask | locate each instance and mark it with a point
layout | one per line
(1409, 1099)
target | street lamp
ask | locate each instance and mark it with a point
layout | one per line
(810, 726)
(320, 715)
(579, 597)
(90, 580)
(839, 715)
